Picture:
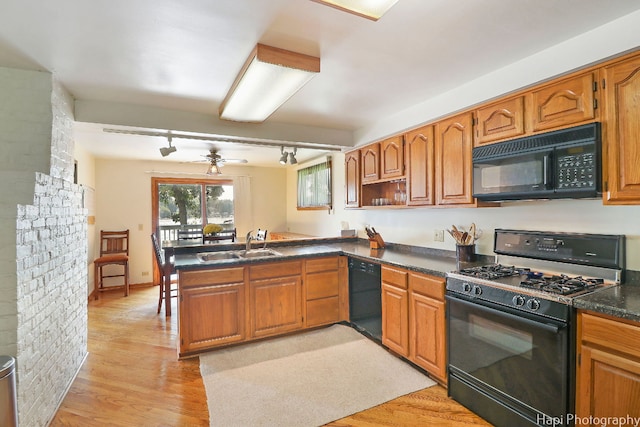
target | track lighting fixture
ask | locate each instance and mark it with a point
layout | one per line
(165, 151)
(291, 156)
(283, 158)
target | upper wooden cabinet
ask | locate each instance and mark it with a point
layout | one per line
(501, 120)
(352, 179)
(392, 158)
(370, 162)
(419, 148)
(621, 136)
(453, 147)
(564, 103)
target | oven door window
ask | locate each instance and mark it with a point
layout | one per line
(529, 363)
(513, 175)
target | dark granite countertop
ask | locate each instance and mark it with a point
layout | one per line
(620, 301)
(433, 262)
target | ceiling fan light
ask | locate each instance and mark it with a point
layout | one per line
(267, 80)
(370, 9)
(165, 151)
(214, 169)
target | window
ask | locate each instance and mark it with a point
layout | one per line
(314, 186)
(181, 204)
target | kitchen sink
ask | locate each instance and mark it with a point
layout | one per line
(258, 253)
(217, 256)
(226, 255)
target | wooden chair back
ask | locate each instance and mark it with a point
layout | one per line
(158, 253)
(114, 242)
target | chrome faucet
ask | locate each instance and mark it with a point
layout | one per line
(249, 238)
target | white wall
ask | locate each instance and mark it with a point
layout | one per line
(123, 201)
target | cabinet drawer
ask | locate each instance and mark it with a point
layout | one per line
(429, 286)
(321, 264)
(276, 269)
(321, 285)
(211, 277)
(615, 334)
(323, 311)
(397, 278)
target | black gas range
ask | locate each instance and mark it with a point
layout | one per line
(510, 324)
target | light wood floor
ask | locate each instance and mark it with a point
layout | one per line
(132, 377)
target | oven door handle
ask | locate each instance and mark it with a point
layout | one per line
(550, 327)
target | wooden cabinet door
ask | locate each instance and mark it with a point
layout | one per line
(565, 103)
(322, 289)
(502, 120)
(211, 316)
(609, 385)
(276, 305)
(427, 324)
(395, 310)
(392, 158)
(453, 160)
(419, 148)
(395, 319)
(352, 179)
(370, 162)
(622, 133)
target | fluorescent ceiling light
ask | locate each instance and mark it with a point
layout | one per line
(269, 77)
(370, 9)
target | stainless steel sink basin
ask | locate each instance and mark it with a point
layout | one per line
(217, 256)
(226, 255)
(258, 253)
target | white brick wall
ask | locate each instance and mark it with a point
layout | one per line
(43, 237)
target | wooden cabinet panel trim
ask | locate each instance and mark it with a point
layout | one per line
(503, 120)
(419, 147)
(392, 158)
(189, 278)
(615, 334)
(275, 269)
(321, 264)
(321, 285)
(370, 162)
(322, 311)
(430, 286)
(395, 277)
(352, 179)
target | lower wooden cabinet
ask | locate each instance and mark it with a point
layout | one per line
(608, 377)
(413, 318)
(395, 310)
(211, 308)
(222, 306)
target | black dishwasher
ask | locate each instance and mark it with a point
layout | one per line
(365, 304)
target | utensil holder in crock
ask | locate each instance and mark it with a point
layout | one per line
(466, 253)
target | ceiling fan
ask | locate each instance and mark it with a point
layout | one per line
(216, 161)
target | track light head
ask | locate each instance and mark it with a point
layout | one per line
(165, 151)
(283, 158)
(292, 156)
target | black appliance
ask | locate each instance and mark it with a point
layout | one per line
(511, 324)
(365, 297)
(552, 165)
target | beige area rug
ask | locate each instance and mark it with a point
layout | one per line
(308, 379)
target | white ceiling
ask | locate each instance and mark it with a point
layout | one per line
(180, 58)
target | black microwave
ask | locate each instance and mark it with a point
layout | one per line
(552, 165)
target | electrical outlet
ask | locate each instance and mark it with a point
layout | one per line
(438, 235)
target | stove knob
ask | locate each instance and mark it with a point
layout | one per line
(477, 290)
(518, 300)
(466, 287)
(533, 304)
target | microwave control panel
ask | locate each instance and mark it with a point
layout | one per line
(576, 170)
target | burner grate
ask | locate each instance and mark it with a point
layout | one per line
(493, 271)
(561, 284)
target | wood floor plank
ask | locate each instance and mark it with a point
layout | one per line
(132, 377)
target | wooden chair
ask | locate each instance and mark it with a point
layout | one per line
(261, 234)
(114, 250)
(160, 263)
